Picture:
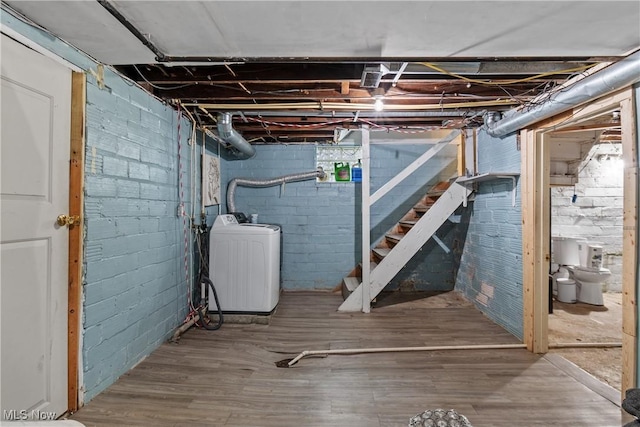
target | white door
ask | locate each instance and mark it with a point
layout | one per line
(34, 157)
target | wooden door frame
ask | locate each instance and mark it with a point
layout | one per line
(76, 193)
(536, 226)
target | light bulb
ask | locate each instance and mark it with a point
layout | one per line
(378, 105)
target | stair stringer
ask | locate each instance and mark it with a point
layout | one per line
(407, 247)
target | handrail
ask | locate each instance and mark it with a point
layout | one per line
(413, 166)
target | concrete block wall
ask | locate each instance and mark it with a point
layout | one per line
(134, 285)
(596, 214)
(135, 281)
(490, 272)
(321, 221)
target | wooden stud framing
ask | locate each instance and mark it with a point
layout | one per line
(76, 174)
(527, 139)
(629, 246)
(542, 228)
(344, 88)
(462, 155)
(535, 246)
(535, 226)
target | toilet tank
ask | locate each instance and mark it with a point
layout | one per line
(564, 250)
(590, 255)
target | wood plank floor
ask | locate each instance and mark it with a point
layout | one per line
(229, 378)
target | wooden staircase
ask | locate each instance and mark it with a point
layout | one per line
(403, 241)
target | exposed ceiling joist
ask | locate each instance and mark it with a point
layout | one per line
(298, 63)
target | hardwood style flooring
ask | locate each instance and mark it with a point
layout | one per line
(229, 378)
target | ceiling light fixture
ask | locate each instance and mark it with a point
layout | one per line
(378, 105)
(378, 96)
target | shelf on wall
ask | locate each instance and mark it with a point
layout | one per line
(490, 176)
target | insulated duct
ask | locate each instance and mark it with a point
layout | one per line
(240, 149)
(260, 183)
(617, 76)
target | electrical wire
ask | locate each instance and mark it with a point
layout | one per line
(400, 129)
(312, 125)
(507, 82)
(159, 87)
(182, 213)
(405, 130)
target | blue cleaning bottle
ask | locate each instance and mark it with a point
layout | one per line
(356, 172)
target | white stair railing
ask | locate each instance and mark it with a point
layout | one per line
(410, 243)
(364, 294)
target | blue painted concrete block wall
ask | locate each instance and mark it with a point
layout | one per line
(321, 221)
(491, 265)
(134, 278)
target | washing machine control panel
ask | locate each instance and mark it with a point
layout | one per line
(224, 220)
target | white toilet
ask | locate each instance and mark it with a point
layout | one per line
(583, 260)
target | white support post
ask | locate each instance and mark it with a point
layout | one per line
(366, 222)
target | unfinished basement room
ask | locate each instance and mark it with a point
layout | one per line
(319, 213)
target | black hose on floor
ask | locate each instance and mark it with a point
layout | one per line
(203, 316)
(203, 279)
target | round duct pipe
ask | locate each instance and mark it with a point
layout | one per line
(240, 149)
(617, 76)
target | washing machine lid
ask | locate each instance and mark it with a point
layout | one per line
(264, 228)
(247, 228)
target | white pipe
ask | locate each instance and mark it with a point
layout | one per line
(405, 349)
(183, 328)
(194, 144)
(586, 345)
(338, 106)
(203, 179)
(219, 177)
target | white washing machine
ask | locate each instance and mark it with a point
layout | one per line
(244, 265)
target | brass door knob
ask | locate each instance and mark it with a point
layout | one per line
(68, 220)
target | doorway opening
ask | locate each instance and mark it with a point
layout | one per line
(586, 214)
(561, 157)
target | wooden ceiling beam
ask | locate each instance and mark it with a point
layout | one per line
(311, 119)
(591, 127)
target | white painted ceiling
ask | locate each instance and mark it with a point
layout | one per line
(344, 29)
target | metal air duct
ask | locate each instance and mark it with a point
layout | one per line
(372, 75)
(260, 183)
(617, 76)
(239, 148)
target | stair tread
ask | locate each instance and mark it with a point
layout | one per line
(421, 207)
(394, 236)
(435, 193)
(352, 283)
(434, 219)
(372, 265)
(381, 252)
